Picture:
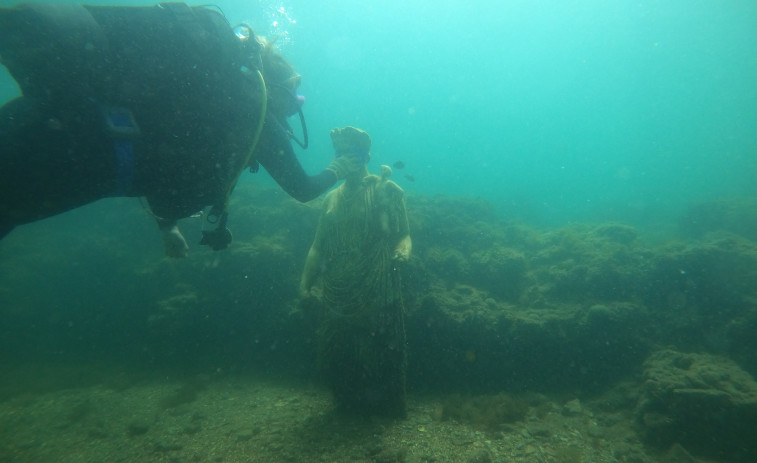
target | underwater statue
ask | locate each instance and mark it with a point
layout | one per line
(362, 237)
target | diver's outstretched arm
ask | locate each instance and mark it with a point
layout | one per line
(5, 229)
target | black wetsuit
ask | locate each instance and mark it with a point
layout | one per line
(175, 73)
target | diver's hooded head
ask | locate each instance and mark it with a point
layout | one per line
(282, 82)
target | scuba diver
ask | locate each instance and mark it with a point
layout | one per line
(167, 102)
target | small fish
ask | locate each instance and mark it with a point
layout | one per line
(410, 177)
(399, 165)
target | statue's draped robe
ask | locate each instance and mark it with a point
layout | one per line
(362, 343)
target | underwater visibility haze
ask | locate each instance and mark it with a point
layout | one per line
(557, 111)
(579, 182)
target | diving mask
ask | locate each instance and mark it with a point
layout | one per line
(291, 104)
(289, 99)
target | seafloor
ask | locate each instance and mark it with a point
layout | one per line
(594, 342)
(127, 416)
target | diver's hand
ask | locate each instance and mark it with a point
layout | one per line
(343, 166)
(174, 243)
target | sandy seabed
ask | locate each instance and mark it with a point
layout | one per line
(125, 417)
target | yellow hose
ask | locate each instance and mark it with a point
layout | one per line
(258, 131)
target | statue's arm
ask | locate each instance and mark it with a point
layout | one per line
(405, 245)
(313, 261)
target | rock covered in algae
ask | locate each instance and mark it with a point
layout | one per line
(707, 403)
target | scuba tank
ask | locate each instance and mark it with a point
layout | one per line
(51, 49)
